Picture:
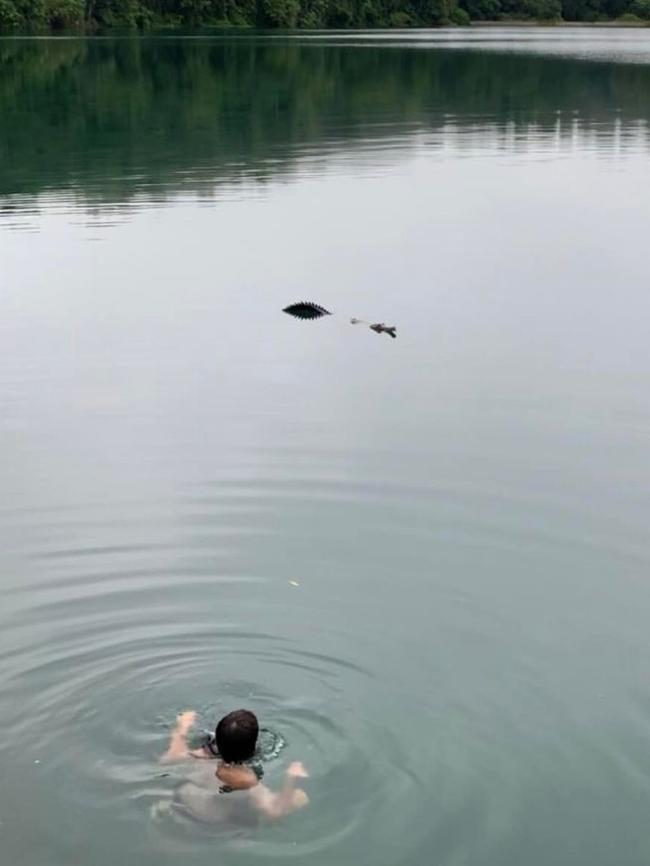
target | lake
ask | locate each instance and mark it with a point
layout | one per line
(423, 562)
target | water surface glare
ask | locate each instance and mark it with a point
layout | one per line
(423, 562)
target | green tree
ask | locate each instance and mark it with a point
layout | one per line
(279, 13)
(61, 14)
(9, 17)
(460, 17)
(482, 10)
(641, 8)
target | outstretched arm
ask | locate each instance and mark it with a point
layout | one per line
(178, 749)
(277, 804)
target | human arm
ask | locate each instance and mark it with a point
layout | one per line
(277, 804)
(178, 748)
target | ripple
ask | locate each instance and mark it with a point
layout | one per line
(132, 679)
(393, 679)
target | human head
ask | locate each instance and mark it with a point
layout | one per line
(236, 736)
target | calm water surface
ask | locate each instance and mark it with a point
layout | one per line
(463, 665)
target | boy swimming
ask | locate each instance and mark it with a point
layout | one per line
(248, 799)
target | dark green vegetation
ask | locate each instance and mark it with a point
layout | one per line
(25, 15)
(162, 115)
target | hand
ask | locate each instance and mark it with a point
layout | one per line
(296, 770)
(185, 720)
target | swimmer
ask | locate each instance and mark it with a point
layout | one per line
(233, 743)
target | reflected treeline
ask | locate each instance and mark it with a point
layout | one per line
(113, 118)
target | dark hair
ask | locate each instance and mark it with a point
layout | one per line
(236, 736)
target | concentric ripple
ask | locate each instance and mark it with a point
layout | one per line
(424, 562)
(108, 641)
(394, 683)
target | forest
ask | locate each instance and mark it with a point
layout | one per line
(25, 16)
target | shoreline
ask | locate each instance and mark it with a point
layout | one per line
(615, 23)
(522, 23)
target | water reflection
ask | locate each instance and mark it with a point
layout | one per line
(423, 562)
(108, 125)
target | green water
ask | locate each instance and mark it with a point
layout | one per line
(462, 665)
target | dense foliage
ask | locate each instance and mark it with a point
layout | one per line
(23, 15)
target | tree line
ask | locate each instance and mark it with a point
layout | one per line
(94, 15)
